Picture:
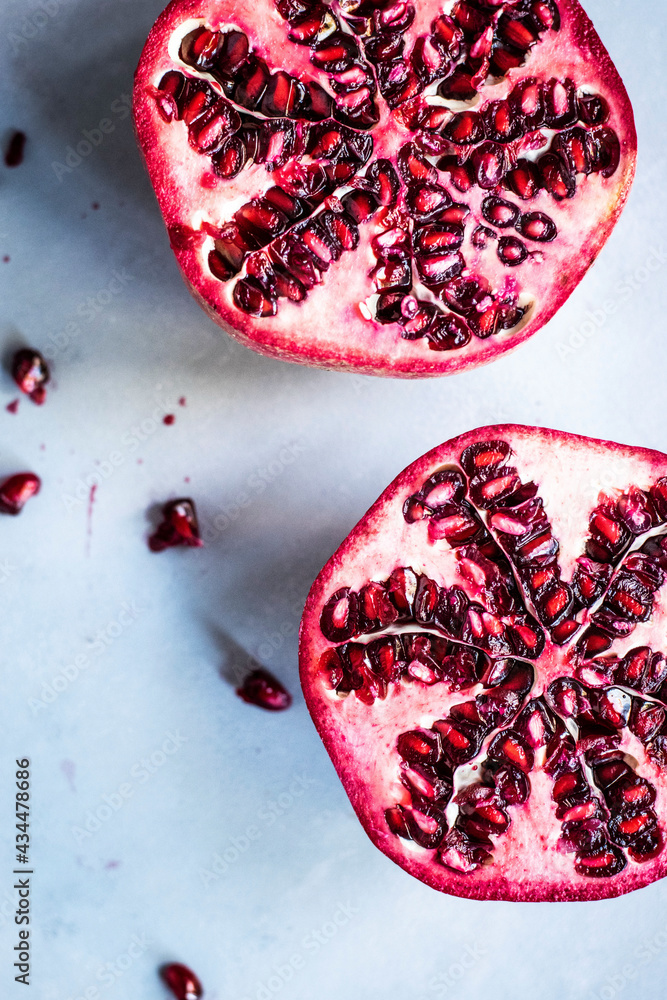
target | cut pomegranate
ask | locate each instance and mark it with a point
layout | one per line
(179, 527)
(286, 141)
(31, 374)
(181, 981)
(261, 688)
(17, 490)
(484, 658)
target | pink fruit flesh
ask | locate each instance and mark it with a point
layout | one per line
(17, 490)
(384, 189)
(182, 982)
(264, 690)
(484, 659)
(179, 527)
(31, 374)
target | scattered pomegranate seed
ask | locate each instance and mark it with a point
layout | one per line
(181, 981)
(13, 407)
(31, 374)
(169, 419)
(15, 150)
(16, 491)
(264, 690)
(340, 161)
(179, 527)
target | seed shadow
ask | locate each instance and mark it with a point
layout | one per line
(236, 662)
(14, 341)
(262, 601)
(154, 516)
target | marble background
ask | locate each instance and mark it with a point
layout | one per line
(112, 656)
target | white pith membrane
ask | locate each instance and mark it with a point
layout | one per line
(335, 322)
(590, 821)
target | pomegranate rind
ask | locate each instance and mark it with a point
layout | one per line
(328, 328)
(361, 739)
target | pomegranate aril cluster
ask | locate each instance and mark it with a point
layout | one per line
(439, 223)
(314, 236)
(367, 669)
(339, 54)
(295, 262)
(430, 757)
(623, 814)
(498, 626)
(518, 532)
(636, 684)
(615, 528)
(431, 255)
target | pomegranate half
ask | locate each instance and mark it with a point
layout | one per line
(386, 188)
(483, 658)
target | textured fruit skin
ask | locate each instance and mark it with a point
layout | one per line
(327, 329)
(361, 739)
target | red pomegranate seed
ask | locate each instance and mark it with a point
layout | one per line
(182, 982)
(465, 128)
(519, 34)
(599, 861)
(564, 631)
(31, 373)
(261, 688)
(610, 529)
(17, 490)
(628, 602)
(634, 824)
(557, 602)
(565, 785)
(15, 149)
(580, 812)
(504, 60)
(457, 739)
(179, 527)
(517, 754)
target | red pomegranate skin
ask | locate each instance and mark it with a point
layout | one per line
(335, 325)
(583, 484)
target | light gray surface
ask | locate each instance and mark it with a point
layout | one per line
(66, 577)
